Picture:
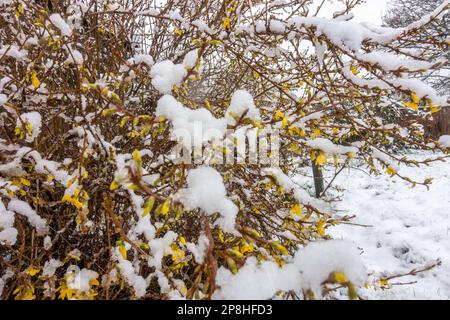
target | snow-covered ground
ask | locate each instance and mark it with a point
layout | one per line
(409, 227)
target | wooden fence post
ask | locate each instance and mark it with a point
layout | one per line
(318, 179)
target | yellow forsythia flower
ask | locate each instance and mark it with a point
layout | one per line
(32, 271)
(296, 209)
(34, 80)
(320, 227)
(321, 159)
(279, 247)
(390, 171)
(165, 207)
(226, 23)
(123, 252)
(137, 157)
(340, 277)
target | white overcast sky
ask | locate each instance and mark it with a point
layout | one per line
(371, 11)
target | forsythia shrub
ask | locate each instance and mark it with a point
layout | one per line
(95, 96)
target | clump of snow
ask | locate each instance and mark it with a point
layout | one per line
(142, 58)
(310, 267)
(35, 120)
(241, 102)
(44, 166)
(444, 141)
(175, 15)
(47, 243)
(390, 62)
(318, 259)
(143, 226)
(50, 267)
(190, 59)
(13, 51)
(370, 83)
(199, 249)
(260, 26)
(81, 279)
(277, 26)
(202, 26)
(188, 123)
(23, 208)
(420, 88)
(160, 247)
(138, 59)
(130, 275)
(254, 281)
(75, 57)
(329, 147)
(320, 47)
(166, 74)
(300, 194)
(206, 191)
(59, 22)
(8, 234)
(301, 123)
(387, 160)
(3, 99)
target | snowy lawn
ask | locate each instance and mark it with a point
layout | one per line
(409, 227)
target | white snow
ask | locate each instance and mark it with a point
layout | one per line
(444, 141)
(277, 26)
(198, 124)
(82, 278)
(160, 247)
(47, 243)
(50, 267)
(320, 47)
(14, 52)
(59, 22)
(318, 259)
(3, 99)
(35, 120)
(142, 58)
(206, 191)
(420, 88)
(202, 26)
(190, 59)
(241, 101)
(310, 267)
(75, 57)
(408, 227)
(166, 74)
(198, 250)
(130, 275)
(8, 234)
(329, 147)
(389, 61)
(386, 159)
(300, 194)
(23, 208)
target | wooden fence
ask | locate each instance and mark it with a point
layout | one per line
(440, 124)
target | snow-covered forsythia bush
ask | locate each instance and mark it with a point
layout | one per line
(92, 96)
